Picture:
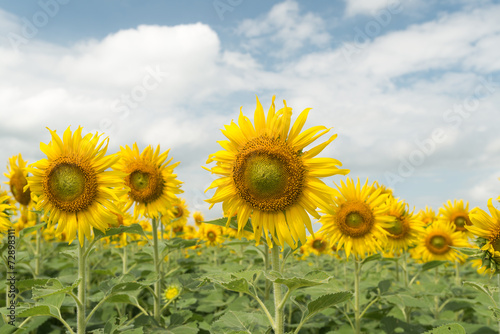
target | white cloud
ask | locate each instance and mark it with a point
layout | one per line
(285, 29)
(373, 7)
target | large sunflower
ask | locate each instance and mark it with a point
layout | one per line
(72, 184)
(488, 228)
(5, 207)
(266, 173)
(357, 220)
(457, 214)
(405, 229)
(17, 180)
(153, 185)
(436, 242)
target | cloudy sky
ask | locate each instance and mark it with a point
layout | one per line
(412, 87)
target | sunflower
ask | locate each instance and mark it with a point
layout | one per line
(17, 180)
(122, 218)
(212, 234)
(198, 218)
(405, 229)
(357, 220)
(265, 173)
(5, 211)
(72, 184)
(171, 292)
(427, 216)
(436, 242)
(179, 215)
(487, 227)
(457, 214)
(153, 185)
(318, 245)
(27, 219)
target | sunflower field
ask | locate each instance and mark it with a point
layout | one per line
(100, 242)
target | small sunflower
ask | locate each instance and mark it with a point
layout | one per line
(198, 218)
(179, 214)
(17, 180)
(436, 242)
(266, 173)
(487, 228)
(357, 220)
(72, 184)
(318, 245)
(171, 292)
(457, 214)
(212, 234)
(5, 212)
(427, 216)
(405, 229)
(149, 176)
(27, 219)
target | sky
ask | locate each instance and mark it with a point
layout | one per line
(411, 87)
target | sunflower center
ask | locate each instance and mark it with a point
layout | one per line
(211, 236)
(460, 223)
(265, 176)
(17, 183)
(319, 245)
(145, 182)
(70, 184)
(355, 219)
(139, 180)
(399, 229)
(178, 211)
(438, 244)
(268, 174)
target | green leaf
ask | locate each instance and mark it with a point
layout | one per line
(47, 310)
(233, 224)
(327, 301)
(179, 243)
(27, 284)
(433, 264)
(447, 329)
(30, 229)
(293, 283)
(128, 286)
(134, 229)
(233, 322)
(239, 285)
(53, 287)
(480, 287)
(374, 257)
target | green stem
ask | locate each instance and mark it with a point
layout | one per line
(278, 296)
(156, 263)
(266, 265)
(38, 252)
(457, 273)
(405, 268)
(82, 275)
(124, 261)
(357, 311)
(498, 284)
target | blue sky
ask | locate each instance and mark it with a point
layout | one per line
(411, 87)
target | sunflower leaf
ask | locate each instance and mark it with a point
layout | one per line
(432, 264)
(46, 310)
(447, 329)
(327, 301)
(30, 229)
(233, 322)
(133, 229)
(293, 283)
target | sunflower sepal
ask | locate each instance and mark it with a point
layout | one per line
(469, 251)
